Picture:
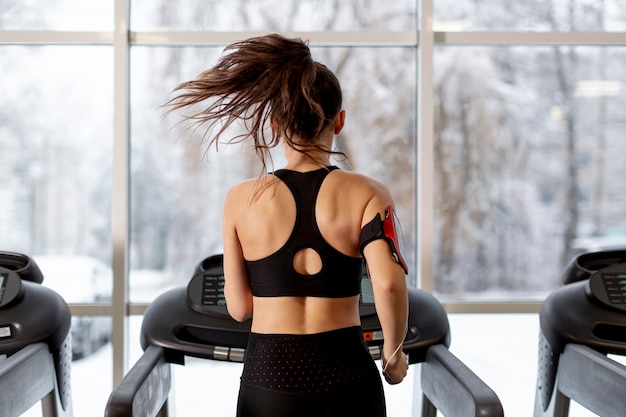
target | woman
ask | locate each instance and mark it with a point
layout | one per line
(293, 238)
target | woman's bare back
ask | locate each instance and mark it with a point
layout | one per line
(264, 226)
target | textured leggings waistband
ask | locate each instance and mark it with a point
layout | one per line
(308, 363)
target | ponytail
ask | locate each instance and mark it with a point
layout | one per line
(263, 81)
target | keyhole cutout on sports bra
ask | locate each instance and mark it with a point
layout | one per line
(307, 262)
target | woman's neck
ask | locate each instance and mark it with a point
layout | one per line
(299, 161)
(313, 158)
(306, 164)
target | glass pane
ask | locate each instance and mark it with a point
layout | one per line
(273, 15)
(530, 15)
(489, 343)
(529, 159)
(177, 189)
(62, 15)
(56, 161)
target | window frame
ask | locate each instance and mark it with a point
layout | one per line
(424, 40)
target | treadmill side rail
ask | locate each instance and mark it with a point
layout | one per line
(144, 389)
(449, 386)
(593, 380)
(28, 376)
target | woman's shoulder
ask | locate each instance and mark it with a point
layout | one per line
(362, 182)
(371, 195)
(243, 185)
(252, 187)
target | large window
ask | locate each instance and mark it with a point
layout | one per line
(529, 151)
(497, 125)
(56, 137)
(178, 186)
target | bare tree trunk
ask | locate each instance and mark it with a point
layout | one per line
(600, 161)
(453, 180)
(566, 90)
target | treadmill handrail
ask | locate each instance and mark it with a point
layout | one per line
(450, 386)
(144, 389)
(592, 380)
(27, 377)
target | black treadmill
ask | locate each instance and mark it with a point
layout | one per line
(193, 321)
(581, 323)
(35, 345)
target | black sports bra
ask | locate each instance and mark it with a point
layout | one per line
(275, 276)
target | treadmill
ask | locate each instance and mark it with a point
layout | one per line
(35, 345)
(581, 323)
(193, 321)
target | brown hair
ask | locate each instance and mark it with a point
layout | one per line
(266, 79)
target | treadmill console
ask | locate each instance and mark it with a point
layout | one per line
(608, 285)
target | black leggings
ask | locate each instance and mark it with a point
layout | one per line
(323, 374)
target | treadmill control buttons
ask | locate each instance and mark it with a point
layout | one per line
(213, 290)
(608, 285)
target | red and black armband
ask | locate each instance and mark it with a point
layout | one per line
(388, 229)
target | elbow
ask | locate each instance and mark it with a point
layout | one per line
(393, 294)
(240, 311)
(239, 315)
(393, 286)
(394, 290)
(238, 303)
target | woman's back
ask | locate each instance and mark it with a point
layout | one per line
(264, 223)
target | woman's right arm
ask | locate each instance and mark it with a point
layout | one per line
(236, 281)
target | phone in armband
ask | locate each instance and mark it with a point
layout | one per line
(389, 229)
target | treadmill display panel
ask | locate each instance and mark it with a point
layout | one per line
(615, 286)
(205, 292)
(213, 290)
(608, 285)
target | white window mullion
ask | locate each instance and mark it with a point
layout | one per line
(424, 195)
(530, 38)
(41, 37)
(120, 210)
(370, 38)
